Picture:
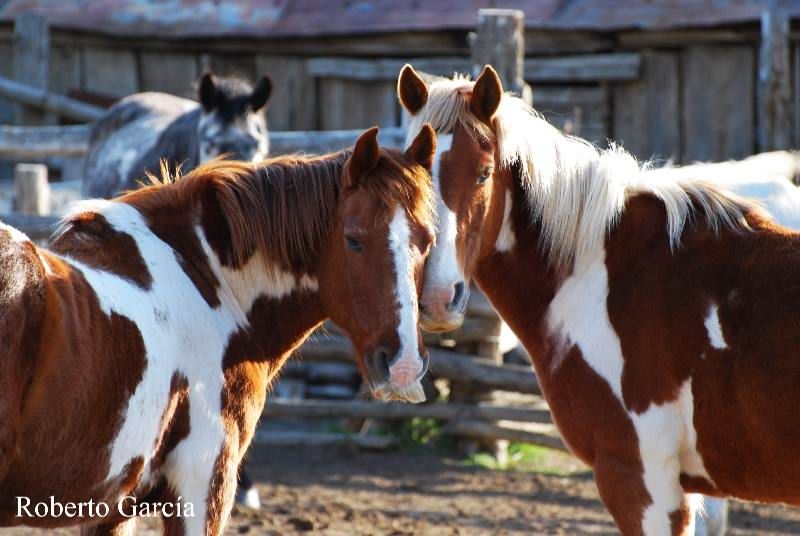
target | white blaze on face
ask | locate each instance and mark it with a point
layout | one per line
(442, 271)
(405, 371)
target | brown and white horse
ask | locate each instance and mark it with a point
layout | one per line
(661, 315)
(136, 352)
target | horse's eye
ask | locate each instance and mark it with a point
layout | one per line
(485, 175)
(354, 244)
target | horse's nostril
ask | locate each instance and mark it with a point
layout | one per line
(458, 296)
(380, 360)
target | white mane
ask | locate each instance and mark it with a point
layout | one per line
(577, 192)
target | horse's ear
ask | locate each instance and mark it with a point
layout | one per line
(366, 154)
(423, 148)
(411, 90)
(207, 91)
(486, 95)
(261, 93)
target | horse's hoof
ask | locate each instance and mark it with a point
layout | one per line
(248, 498)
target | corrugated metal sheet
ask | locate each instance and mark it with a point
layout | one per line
(297, 18)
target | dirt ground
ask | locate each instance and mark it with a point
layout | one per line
(340, 491)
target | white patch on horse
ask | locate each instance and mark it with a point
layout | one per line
(578, 316)
(506, 239)
(442, 268)
(408, 366)
(258, 277)
(191, 342)
(691, 461)
(668, 447)
(714, 329)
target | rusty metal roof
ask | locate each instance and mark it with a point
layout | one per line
(305, 18)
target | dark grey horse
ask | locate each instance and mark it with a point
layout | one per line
(140, 130)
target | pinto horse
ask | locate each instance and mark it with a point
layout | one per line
(139, 132)
(138, 350)
(661, 314)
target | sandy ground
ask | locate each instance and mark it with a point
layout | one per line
(341, 491)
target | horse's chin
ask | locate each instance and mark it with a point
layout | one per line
(413, 393)
(440, 324)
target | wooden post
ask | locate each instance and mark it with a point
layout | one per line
(774, 80)
(31, 189)
(500, 42)
(30, 63)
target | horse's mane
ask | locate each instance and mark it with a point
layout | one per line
(576, 191)
(285, 206)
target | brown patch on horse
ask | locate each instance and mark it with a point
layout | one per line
(131, 475)
(175, 422)
(221, 490)
(90, 239)
(22, 305)
(69, 402)
(661, 332)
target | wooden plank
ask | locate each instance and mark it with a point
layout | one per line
(31, 60)
(581, 111)
(346, 104)
(590, 67)
(550, 42)
(43, 99)
(618, 66)
(718, 102)
(499, 41)
(36, 227)
(485, 430)
(453, 365)
(647, 118)
(6, 71)
(240, 65)
(361, 409)
(679, 38)
(291, 105)
(31, 189)
(110, 71)
(774, 91)
(65, 69)
(173, 73)
(319, 142)
(40, 142)
(384, 68)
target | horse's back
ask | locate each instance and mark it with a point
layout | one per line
(124, 135)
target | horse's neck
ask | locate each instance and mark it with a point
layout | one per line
(519, 282)
(280, 307)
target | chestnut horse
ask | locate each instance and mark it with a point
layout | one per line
(661, 315)
(138, 350)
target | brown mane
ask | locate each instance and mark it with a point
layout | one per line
(285, 206)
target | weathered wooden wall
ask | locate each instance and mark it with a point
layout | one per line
(684, 96)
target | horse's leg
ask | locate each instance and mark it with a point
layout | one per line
(651, 505)
(209, 488)
(125, 527)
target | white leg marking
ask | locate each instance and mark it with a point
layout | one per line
(506, 239)
(408, 367)
(714, 329)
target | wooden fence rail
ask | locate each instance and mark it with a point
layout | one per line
(444, 363)
(38, 142)
(361, 409)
